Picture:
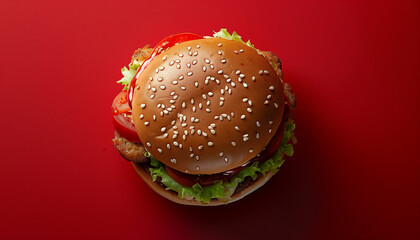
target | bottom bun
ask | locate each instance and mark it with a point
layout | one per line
(173, 196)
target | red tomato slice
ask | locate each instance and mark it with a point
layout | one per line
(122, 119)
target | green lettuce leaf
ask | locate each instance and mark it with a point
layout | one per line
(128, 73)
(223, 33)
(223, 190)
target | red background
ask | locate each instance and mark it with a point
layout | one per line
(354, 66)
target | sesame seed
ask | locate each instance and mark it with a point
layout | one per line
(221, 154)
(168, 146)
(199, 132)
(219, 52)
(271, 88)
(258, 124)
(197, 157)
(266, 102)
(235, 51)
(276, 105)
(200, 147)
(193, 108)
(160, 79)
(159, 150)
(184, 124)
(141, 116)
(270, 130)
(171, 63)
(161, 68)
(226, 159)
(216, 117)
(266, 72)
(166, 112)
(174, 82)
(210, 144)
(230, 91)
(189, 48)
(148, 144)
(180, 55)
(173, 160)
(198, 46)
(191, 155)
(253, 78)
(204, 96)
(196, 84)
(190, 73)
(244, 100)
(154, 117)
(196, 120)
(245, 85)
(172, 101)
(249, 110)
(242, 75)
(223, 61)
(220, 72)
(268, 96)
(163, 129)
(233, 144)
(183, 104)
(220, 44)
(243, 116)
(195, 53)
(233, 84)
(261, 72)
(183, 88)
(270, 122)
(163, 87)
(222, 91)
(245, 139)
(208, 103)
(237, 128)
(250, 103)
(251, 150)
(211, 66)
(221, 103)
(200, 105)
(143, 105)
(204, 134)
(194, 62)
(181, 77)
(206, 60)
(212, 131)
(257, 136)
(178, 66)
(204, 68)
(176, 144)
(184, 137)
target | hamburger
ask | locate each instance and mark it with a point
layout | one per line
(204, 120)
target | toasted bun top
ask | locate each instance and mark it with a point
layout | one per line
(206, 106)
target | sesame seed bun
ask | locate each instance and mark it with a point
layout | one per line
(173, 196)
(207, 106)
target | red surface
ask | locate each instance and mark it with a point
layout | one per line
(354, 66)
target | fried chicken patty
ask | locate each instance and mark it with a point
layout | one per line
(134, 152)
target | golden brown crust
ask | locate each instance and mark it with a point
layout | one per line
(173, 196)
(207, 109)
(130, 151)
(142, 54)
